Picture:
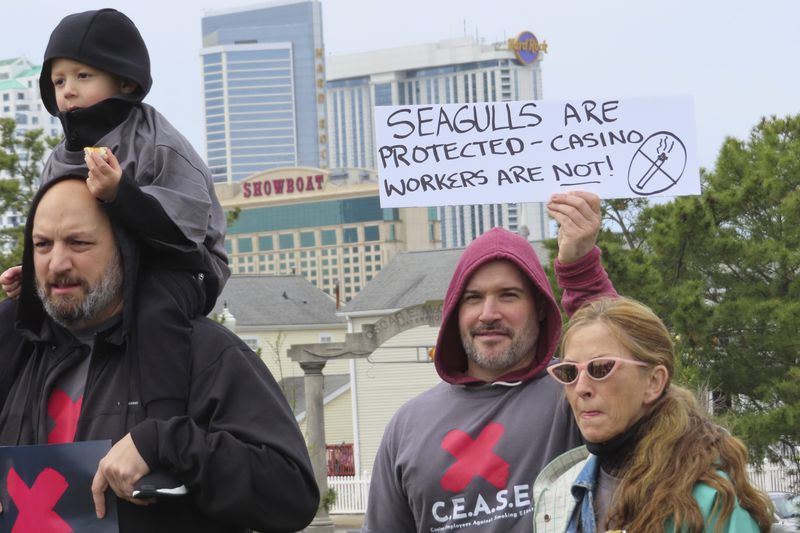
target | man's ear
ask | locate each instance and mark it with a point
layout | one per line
(659, 377)
(128, 87)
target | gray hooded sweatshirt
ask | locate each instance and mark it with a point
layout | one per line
(166, 195)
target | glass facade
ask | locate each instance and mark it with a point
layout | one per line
(245, 245)
(308, 239)
(484, 73)
(286, 241)
(328, 237)
(372, 233)
(310, 215)
(383, 94)
(329, 242)
(350, 235)
(258, 105)
(263, 103)
(352, 138)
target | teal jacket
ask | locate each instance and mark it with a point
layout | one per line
(568, 483)
(739, 521)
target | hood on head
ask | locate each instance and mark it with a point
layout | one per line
(495, 244)
(105, 39)
(31, 316)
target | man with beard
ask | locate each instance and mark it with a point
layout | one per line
(237, 449)
(76, 296)
(463, 455)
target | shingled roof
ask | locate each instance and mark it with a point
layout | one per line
(409, 279)
(276, 301)
(413, 278)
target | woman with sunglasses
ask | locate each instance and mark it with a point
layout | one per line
(654, 461)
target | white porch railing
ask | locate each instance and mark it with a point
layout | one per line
(352, 491)
(774, 477)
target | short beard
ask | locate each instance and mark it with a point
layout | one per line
(68, 313)
(521, 347)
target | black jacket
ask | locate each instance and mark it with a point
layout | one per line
(238, 449)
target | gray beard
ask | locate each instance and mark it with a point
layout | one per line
(507, 359)
(67, 313)
(522, 345)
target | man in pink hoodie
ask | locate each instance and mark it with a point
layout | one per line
(463, 455)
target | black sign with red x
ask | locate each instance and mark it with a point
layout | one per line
(48, 488)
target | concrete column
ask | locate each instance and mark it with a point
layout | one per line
(315, 426)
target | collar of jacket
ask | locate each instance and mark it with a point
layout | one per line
(85, 127)
(52, 333)
(583, 491)
(586, 479)
(512, 379)
(614, 454)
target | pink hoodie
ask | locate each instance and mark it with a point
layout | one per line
(581, 279)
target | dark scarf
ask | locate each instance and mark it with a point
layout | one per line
(614, 454)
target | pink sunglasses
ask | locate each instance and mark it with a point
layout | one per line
(597, 369)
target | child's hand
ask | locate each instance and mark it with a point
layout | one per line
(104, 175)
(11, 280)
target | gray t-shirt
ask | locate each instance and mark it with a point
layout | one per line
(65, 399)
(463, 458)
(604, 495)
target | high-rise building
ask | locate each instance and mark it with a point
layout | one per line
(451, 71)
(19, 99)
(267, 147)
(264, 88)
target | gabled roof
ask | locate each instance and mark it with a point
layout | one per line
(31, 72)
(413, 278)
(22, 65)
(11, 84)
(263, 300)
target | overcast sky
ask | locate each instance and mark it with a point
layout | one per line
(739, 59)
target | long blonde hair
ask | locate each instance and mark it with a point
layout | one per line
(679, 446)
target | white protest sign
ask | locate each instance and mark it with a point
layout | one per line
(510, 152)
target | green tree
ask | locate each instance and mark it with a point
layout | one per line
(722, 270)
(728, 261)
(746, 260)
(232, 215)
(21, 158)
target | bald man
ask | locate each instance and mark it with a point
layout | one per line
(237, 449)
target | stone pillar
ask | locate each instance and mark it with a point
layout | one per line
(315, 426)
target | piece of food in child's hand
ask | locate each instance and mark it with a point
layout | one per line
(102, 150)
